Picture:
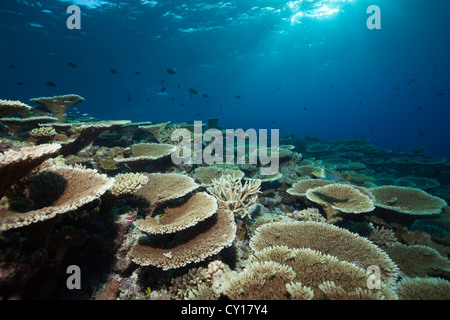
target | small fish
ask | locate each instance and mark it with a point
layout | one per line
(129, 98)
(396, 88)
(10, 66)
(279, 89)
(419, 108)
(412, 80)
(237, 97)
(198, 114)
(173, 98)
(20, 83)
(192, 91)
(72, 65)
(50, 84)
(331, 85)
(421, 134)
(163, 89)
(181, 104)
(372, 128)
(114, 71)
(137, 73)
(305, 108)
(85, 114)
(205, 95)
(360, 103)
(170, 71)
(178, 85)
(273, 121)
(440, 94)
(331, 175)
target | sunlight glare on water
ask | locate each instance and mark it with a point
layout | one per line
(314, 8)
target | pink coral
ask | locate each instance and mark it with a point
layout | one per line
(215, 268)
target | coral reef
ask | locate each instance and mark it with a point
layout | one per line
(350, 247)
(340, 198)
(194, 244)
(233, 196)
(423, 289)
(105, 196)
(407, 200)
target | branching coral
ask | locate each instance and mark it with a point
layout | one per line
(125, 184)
(264, 280)
(382, 236)
(184, 285)
(233, 196)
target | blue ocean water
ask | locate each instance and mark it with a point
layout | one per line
(304, 67)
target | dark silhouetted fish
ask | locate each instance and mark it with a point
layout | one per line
(173, 98)
(273, 121)
(114, 71)
(192, 91)
(72, 65)
(372, 128)
(20, 83)
(396, 88)
(170, 71)
(421, 134)
(10, 66)
(50, 84)
(305, 108)
(137, 73)
(205, 95)
(129, 98)
(163, 89)
(181, 104)
(360, 103)
(198, 114)
(412, 80)
(440, 94)
(178, 85)
(419, 108)
(331, 85)
(237, 97)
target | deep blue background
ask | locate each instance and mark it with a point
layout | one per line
(380, 84)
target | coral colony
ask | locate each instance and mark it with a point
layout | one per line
(152, 211)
